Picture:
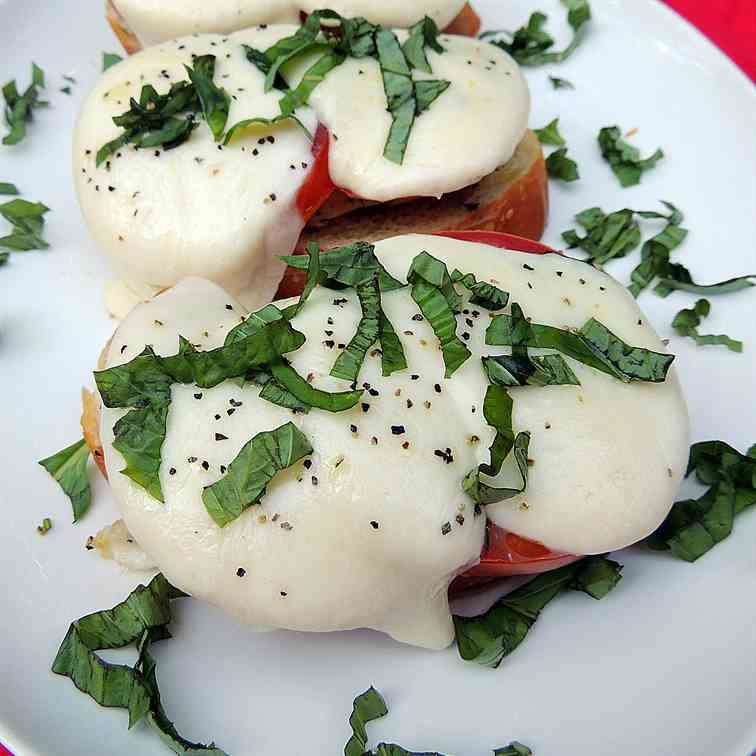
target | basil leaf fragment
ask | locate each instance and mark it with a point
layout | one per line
(27, 220)
(351, 265)
(490, 637)
(433, 291)
(248, 476)
(110, 59)
(513, 749)
(300, 95)
(530, 45)
(695, 526)
(140, 620)
(483, 294)
(19, 107)
(8, 189)
(214, 99)
(594, 345)
(423, 33)
(677, 277)
(549, 134)
(524, 370)
(247, 122)
(497, 410)
(69, 468)
(291, 381)
(686, 323)
(608, 236)
(558, 83)
(559, 166)
(624, 158)
(45, 526)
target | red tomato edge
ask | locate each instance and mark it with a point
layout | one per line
(317, 186)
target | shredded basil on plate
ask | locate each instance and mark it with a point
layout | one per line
(559, 166)
(27, 221)
(695, 526)
(110, 59)
(433, 291)
(140, 620)
(549, 134)
(490, 637)
(249, 474)
(608, 236)
(19, 107)
(624, 158)
(8, 189)
(677, 277)
(45, 526)
(369, 706)
(69, 468)
(558, 83)
(686, 323)
(530, 45)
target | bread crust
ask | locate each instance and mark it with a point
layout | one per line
(514, 199)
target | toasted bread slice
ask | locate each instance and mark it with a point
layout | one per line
(467, 24)
(513, 199)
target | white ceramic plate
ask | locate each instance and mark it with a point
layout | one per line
(666, 665)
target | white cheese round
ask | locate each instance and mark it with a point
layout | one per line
(154, 21)
(469, 130)
(359, 537)
(200, 209)
(226, 213)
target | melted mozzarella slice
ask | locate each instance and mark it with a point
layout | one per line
(154, 21)
(372, 531)
(200, 209)
(470, 129)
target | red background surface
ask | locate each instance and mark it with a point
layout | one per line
(730, 24)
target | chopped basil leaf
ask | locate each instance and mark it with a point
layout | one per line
(530, 45)
(45, 526)
(624, 158)
(110, 59)
(677, 277)
(559, 166)
(400, 93)
(497, 410)
(248, 476)
(313, 275)
(367, 707)
(19, 107)
(549, 134)
(299, 96)
(524, 370)
(488, 638)
(348, 364)
(392, 351)
(513, 749)
(240, 125)
(594, 345)
(608, 236)
(259, 59)
(483, 294)
(214, 99)
(164, 120)
(433, 291)
(8, 189)
(558, 83)
(298, 387)
(656, 251)
(695, 526)
(686, 323)
(140, 620)
(427, 91)
(351, 265)
(69, 468)
(423, 33)
(27, 220)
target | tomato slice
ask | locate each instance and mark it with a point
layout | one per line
(507, 553)
(317, 187)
